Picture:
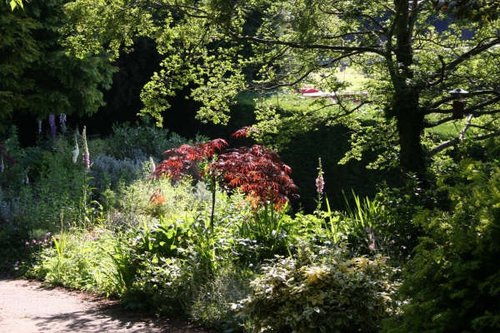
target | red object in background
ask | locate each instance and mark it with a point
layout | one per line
(308, 90)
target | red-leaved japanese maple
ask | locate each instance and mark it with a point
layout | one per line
(185, 160)
(257, 172)
(243, 132)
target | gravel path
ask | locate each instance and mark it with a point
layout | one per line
(27, 307)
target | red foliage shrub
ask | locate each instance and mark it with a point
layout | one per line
(243, 132)
(185, 159)
(258, 172)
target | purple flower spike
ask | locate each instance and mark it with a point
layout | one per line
(52, 124)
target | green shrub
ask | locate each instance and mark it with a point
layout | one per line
(385, 224)
(452, 283)
(81, 260)
(174, 250)
(319, 293)
(139, 143)
(49, 178)
(157, 246)
(264, 233)
(111, 173)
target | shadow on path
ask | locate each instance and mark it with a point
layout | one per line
(28, 307)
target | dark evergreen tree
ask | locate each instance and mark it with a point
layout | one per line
(37, 76)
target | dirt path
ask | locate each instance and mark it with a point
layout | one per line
(27, 307)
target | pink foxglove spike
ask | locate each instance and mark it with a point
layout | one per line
(86, 153)
(320, 180)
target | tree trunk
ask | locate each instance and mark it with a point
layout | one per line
(410, 126)
(406, 98)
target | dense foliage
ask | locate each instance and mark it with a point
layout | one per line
(37, 76)
(209, 229)
(200, 251)
(220, 48)
(452, 281)
(185, 160)
(256, 171)
(332, 293)
(155, 243)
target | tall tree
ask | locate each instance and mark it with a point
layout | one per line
(228, 46)
(37, 76)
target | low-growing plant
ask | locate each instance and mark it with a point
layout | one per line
(324, 291)
(55, 184)
(267, 233)
(362, 220)
(213, 303)
(110, 173)
(82, 260)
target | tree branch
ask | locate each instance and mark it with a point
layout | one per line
(470, 111)
(485, 128)
(482, 113)
(454, 141)
(434, 107)
(463, 57)
(348, 34)
(442, 72)
(309, 71)
(295, 45)
(348, 112)
(482, 105)
(440, 122)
